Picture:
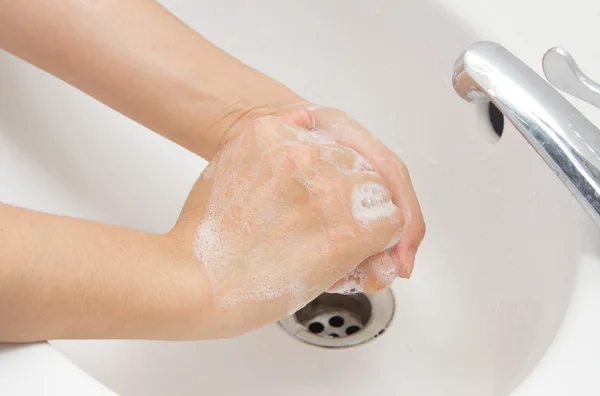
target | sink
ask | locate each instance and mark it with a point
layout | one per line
(508, 251)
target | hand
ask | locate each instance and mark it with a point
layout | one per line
(278, 216)
(378, 271)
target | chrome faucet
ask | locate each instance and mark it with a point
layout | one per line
(561, 135)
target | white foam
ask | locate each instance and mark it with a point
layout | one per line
(351, 284)
(384, 267)
(361, 164)
(208, 245)
(314, 136)
(372, 201)
(243, 204)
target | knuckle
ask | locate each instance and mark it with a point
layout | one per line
(421, 229)
(396, 168)
(417, 223)
(284, 162)
(309, 151)
(402, 168)
(305, 155)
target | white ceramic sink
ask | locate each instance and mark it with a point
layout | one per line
(502, 298)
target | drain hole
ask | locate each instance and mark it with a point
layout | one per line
(336, 321)
(326, 306)
(352, 330)
(316, 327)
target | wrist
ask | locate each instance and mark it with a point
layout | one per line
(186, 299)
(241, 113)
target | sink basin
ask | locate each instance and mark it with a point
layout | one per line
(498, 272)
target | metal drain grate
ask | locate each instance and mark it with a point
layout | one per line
(338, 321)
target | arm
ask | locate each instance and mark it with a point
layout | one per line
(142, 61)
(71, 278)
(216, 274)
(139, 59)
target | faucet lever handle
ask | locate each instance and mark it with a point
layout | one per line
(562, 72)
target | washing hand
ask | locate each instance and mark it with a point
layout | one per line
(280, 214)
(299, 202)
(378, 271)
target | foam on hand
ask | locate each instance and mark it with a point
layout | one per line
(372, 201)
(350, 284)
(381, 268)
(249, 233)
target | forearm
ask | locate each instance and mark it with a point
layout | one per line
(139, 59)
(71, 278)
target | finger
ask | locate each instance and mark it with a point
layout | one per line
(350, 284)
(373, 275)
(414, 232)
(376, 221)
(380, 271)
(353, 135)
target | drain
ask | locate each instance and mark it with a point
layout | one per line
(338, 321)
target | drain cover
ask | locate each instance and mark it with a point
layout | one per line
(338, 321)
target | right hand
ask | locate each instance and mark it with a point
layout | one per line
(279, 216)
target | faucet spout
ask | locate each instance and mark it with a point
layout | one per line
(567, 141)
